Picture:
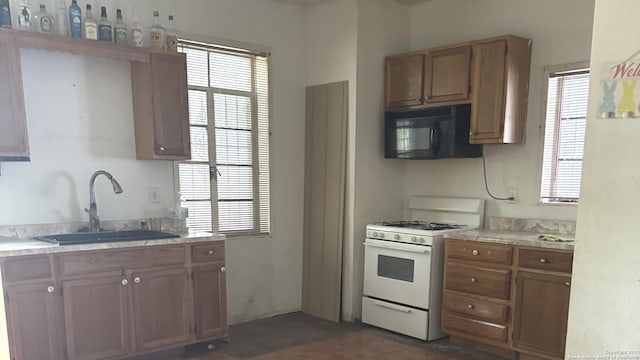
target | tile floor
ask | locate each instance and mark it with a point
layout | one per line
(299, 336)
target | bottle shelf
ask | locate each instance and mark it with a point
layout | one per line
(49, 42)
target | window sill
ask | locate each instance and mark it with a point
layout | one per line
(557, 204)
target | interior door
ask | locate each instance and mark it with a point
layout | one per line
(324, 182)
(397, 272)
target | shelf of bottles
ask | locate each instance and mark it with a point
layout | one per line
(76, 31)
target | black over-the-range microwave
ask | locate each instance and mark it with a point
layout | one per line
(434, 133)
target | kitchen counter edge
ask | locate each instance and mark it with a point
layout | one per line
(508, 238)
(9, 248)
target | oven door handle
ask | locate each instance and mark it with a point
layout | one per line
(400, 248)
(391, 306)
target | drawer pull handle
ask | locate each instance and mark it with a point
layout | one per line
(475, 252)
(210, 252)
(470, 306)
(51, 289)
(393, 307)
(567, 283)
(474, 280)
(543, 260)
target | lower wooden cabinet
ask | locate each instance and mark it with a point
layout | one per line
(36, 330)
(518, 302)
(98, 311)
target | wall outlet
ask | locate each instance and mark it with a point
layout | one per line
(513, 193)
(154, 195)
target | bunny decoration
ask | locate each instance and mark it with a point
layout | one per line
(608, 106)
(627, 105)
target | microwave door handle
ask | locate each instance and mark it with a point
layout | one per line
(432, 139)
(437, 137)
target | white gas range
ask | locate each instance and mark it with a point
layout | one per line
(404, 261)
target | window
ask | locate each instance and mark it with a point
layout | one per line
(225, 185)
(567, 103)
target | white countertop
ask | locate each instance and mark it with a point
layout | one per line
(509, 238)
(19, 247)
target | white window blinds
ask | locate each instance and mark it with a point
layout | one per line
(225, 185)
(567, 103)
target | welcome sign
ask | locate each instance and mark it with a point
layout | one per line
(620, 88)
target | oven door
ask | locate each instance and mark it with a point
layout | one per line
(397, 272)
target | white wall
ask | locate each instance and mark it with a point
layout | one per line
(561, 33)
(80, 119)
(604, 314)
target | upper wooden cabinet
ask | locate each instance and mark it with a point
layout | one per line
(14, 144)
(500, 90)
(404, 76)
(160, 107)
(491, 74)
(428, 78)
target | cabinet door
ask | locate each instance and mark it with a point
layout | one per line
(447, 75)
(489, 76)
(162, 308)
(35, 324)
(210, 300)
(96, 317)
(404, 81)
(542, 307)
(13, 119)
(170, 105)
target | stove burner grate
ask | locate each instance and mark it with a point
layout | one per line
(422, 225)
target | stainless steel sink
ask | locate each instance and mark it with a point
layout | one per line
(105, 236)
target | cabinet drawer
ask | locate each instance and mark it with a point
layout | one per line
(478, 308)
(24, 268)
(474, 327)
(208, 252)
(476, 251)
(480, 281)
(109, 260)
(545, 260)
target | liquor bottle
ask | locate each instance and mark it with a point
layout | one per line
(137, 33)
(120, 29)
(157, 33)
(105, 29)
(172, 38)
(62, 24)
(90, 25)
(75, 20)
(42, 21)
(5, 14)
(24, 15)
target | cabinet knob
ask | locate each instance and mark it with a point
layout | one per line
(162, 148)
(124, 282)
(470, 306)
(51, 289)
(223, 269)
(397, 237)
(475, 252)
(210, 252)
(543, 260)
(136, 280)
(567, 283)
(471, 133)
(474, 280)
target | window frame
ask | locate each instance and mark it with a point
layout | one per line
(210, 91)
(548, 71)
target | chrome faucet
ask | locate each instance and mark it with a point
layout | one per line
(94, 219)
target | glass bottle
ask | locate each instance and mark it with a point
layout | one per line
(24, 15)
(157, 33)
(75, 20)
(62, 26)
(172, 38)
(5, 14)
(42, 21)
(137, 33)
(90, 25)
(120, 29)
(105, 29)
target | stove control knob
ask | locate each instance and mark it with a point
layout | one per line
(381, 235)
(397, 237)
(414, 239)
(421, 240)
(374, 234)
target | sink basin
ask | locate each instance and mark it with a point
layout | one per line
(105, 236)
